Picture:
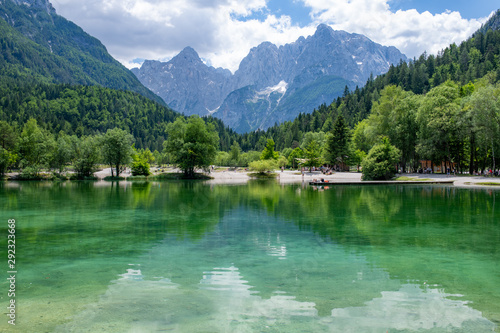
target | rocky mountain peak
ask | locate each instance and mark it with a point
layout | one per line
(323, 30)
(188, 54)
(493, 23)
(37, 4)
(272, 84)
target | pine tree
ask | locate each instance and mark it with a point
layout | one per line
(337, 143)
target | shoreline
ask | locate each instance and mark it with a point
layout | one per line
(240, 177)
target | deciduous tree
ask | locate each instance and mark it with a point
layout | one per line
(312, 155)
(484, 111)
(35, 147)
(117, 149)
(192, 144)
(87, 153)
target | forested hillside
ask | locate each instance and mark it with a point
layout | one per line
(465, 63)
(444, 107)
(37, 45)
(85, 110)
(88, 110)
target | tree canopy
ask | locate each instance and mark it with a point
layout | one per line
(192, 144)
(381, 162)
(117, 149)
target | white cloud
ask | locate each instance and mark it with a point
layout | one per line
(219, 30)
(223, 31)
(410, 31)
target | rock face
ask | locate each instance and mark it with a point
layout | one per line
(493, 23)
(38, 4)
(186, 82)
(272, 84)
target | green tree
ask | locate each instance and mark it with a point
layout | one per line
(8, 141)
(158, 157)
(406, 129)
(35, 147)
(268, 152)
(282, 161)
(8, 137)
(87, 154)
(117, 149)
(7, 159)
(248, 157)
(192, 144)
(359, 139)
(312, 155)
(327, 126)
(381, 162)
(357, 158)
(395, 115)
(140, 162)
(439, 119)
(63, 152)
(222, 158)
(484, 111)
(235, 154)
(294, 156)
(319, 137)
(337, 143)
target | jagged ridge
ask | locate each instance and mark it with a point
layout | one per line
(314, 70)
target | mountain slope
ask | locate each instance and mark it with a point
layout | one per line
(493, 23)
(196, 86)
(39, 44)
(469, 61)
(272, 84)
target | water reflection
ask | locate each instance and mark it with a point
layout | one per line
(410, 309)
(225, 279)
(258, 257)
(225, 301)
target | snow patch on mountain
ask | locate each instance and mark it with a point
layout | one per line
(279, 88)
(272, 84)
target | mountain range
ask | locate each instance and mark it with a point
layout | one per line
(272, 84)
(54, 72)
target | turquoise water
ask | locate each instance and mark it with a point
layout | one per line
(263, 257)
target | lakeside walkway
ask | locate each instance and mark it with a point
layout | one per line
(240, 176)
(352, 178)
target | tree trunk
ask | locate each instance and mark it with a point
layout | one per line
(493, 153)
(471, 161)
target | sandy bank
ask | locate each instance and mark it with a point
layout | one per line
(240, 176)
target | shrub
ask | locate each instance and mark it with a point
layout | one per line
(113, 178)
(263, 166)
(30, 173)
(380, 164)
(140, 168)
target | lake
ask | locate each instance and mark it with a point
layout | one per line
(261, 257)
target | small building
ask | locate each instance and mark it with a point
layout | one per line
(441, 167)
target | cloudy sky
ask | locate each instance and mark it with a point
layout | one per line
(223, 31)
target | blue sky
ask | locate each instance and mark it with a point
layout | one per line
(467, 9)
(224, 31)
